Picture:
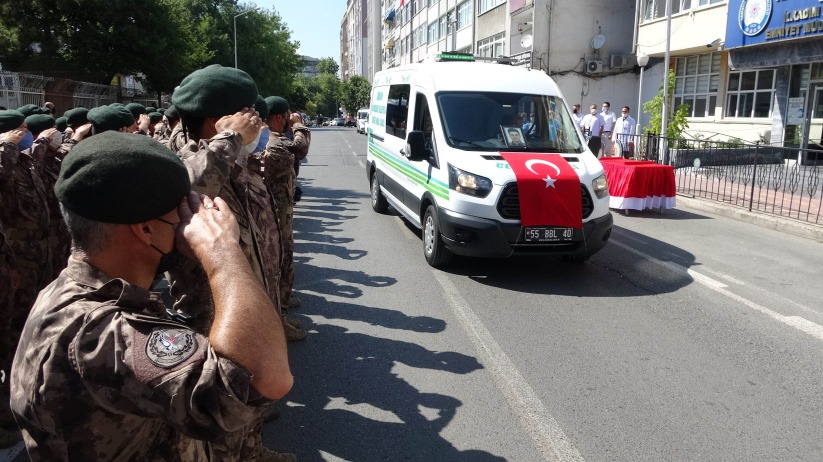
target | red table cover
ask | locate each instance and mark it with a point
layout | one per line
(639, 184)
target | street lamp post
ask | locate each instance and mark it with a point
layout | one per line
(235, 31)
(642, 61)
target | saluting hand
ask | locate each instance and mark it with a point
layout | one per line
(244, 122)
(81, 132)
(13, 136)
(207, 228)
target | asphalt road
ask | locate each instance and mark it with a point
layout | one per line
(689, 337)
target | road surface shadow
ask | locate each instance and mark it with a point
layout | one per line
(347, 402)
(668, 214)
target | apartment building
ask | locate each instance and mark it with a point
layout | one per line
(354, 40)
(748, 69)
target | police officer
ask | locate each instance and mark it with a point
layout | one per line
(101, 373)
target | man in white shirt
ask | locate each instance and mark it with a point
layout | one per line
(577, 116)
(623, 132)
(592, 126)
(608, 124)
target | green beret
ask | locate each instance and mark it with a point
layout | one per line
(136, 109)
(61, 124)
(110, 117)
(37, 123)
(214, 91)
(121, 178)
(261, 107)
(150, 109)
(277, 105)
(76, 117)
(161, 110)
(155, 117)
(171, 113)
(30, 109)
(11, 119)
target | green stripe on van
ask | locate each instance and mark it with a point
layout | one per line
(438, 188)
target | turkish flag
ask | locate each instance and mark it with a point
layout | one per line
(548, 189)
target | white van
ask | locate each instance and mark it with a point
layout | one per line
(485, 159)
(362, 120)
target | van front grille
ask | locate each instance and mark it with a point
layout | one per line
(509, 204)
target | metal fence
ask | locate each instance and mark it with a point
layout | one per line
(775, 180)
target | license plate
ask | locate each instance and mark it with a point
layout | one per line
(548, 234)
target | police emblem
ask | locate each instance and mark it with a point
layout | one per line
(168, 346)
(754, 16)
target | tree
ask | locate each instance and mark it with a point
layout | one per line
(324, 91)
(328, 66)
(677, 121)
(164, 40)
(355, 93)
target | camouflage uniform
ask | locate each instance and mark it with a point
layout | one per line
(213, 171)
(158, 399)
(7, 266)
(210, 164)
(59, 238)
(25, 216)
(281, 179)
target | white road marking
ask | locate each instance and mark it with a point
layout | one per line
(799, 323)
(535, 419)
(361, 164)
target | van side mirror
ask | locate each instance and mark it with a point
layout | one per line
(416, 146)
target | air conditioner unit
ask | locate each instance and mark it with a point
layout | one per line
(594, 67)
(621, 61)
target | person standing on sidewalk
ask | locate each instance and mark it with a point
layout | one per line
(608, 125)
(592, 126)
(624, 132)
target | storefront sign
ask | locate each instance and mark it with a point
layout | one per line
(755, 22)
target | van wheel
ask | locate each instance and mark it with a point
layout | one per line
(378, 201)
(434, 249)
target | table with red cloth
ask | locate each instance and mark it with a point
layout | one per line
(639, 184)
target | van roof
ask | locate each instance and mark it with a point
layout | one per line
(472, 76)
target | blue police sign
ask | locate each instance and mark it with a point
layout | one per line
(755, 22)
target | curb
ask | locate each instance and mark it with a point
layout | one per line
(777, 223)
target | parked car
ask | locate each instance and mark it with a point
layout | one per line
(362, 120)
(339, 122)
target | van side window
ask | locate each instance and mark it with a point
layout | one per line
(397, 110)
(423, 120)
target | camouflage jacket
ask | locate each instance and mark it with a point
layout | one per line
(210, 164)
(100, 374)
(277, 167)
(300, 141)
(24, 209)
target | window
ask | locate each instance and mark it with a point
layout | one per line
(491, 47)
(444, 28)
(695, 84)
(485, 5)
(465, 16)
(750, 93)
(433, 28)
(397, 110)
(655, 9)
(418, 36)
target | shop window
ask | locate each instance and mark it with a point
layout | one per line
(695, 84)
(750, 93)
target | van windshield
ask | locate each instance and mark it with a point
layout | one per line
(363, 115)
(490, 121)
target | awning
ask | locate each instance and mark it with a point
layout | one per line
(390, 16)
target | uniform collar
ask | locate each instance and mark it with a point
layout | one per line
(107, 288)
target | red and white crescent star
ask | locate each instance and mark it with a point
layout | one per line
(549, 180)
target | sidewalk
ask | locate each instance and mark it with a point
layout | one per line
(783, 224)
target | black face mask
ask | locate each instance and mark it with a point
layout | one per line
(168, 260)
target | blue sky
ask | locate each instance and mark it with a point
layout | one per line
(313, 23)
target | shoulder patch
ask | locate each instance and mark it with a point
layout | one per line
(169, 346)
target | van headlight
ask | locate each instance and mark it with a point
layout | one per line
(600, 186)
(469, 183)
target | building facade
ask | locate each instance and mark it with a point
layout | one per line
(354, 40)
